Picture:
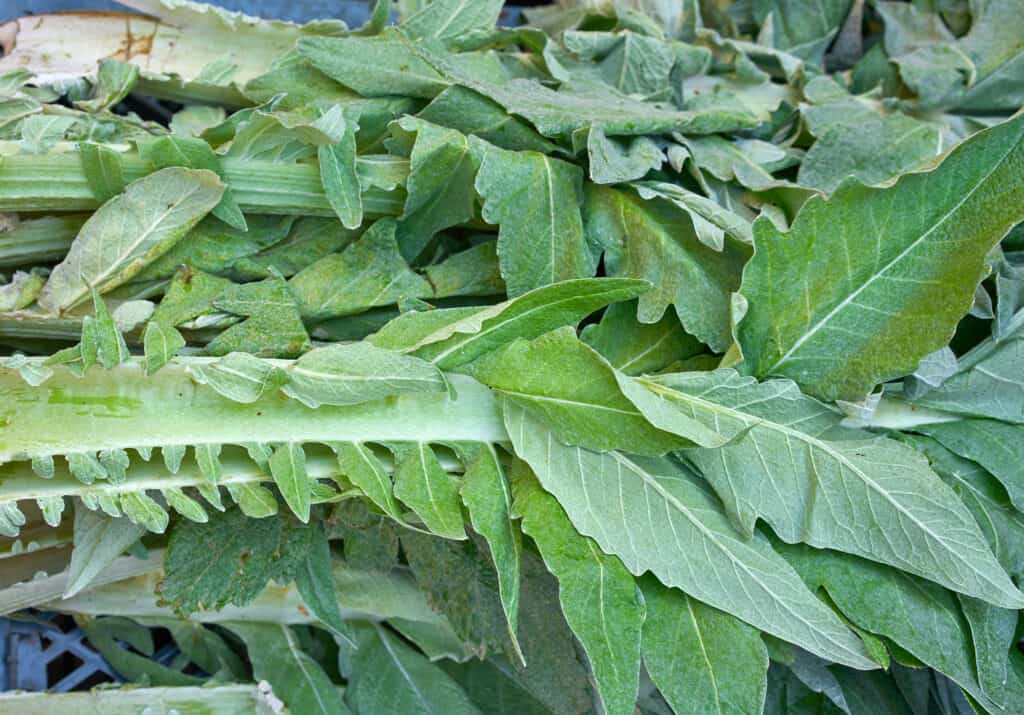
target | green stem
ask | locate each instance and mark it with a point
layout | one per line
(40, 240)
(57, 182)
(123, 408)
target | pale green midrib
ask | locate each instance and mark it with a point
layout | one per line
(121, 408)
(572, 404)
(299, 656)
(404, 673)
(704, 654)
(752, 422)
(903, 254)
(681, 508)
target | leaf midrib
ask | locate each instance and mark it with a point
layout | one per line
(903, 254)
(753, 422)
(669, 498)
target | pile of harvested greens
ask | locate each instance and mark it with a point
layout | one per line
(658, 356)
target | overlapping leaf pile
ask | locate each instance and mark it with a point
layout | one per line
(651, 357)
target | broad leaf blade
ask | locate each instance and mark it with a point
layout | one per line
(702, 660)
(99, 540)
(536, 201)
(909, 259)
(295, 676)
(872, 497)
(390, 677)
(129, 232)
(684, 540)
(599, 597)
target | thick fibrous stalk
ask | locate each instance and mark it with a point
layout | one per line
(122, 408)
(57, 182)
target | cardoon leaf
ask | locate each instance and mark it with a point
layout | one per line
(688, 541)
(871, 497)
(129, 232)
(921, 243)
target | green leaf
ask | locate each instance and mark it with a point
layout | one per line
(98, 540)
(390, 677)
(39, 133)
(701, 659)
(840, 327)
(288, 467)
(21, 291)
(474, 271)
(613, 161)
(986, 499)
(536, 201)
(104, 634)
(144, 510)
(129, 232)
(114, 81)
(370, 272)
(632, 63)
(377, 66)
(423, 485)
(780, 465)
(655, 240)
(185, 505)
(588, 410)
(362, 467)
(488, 499)
(449, 19)
(920, 617)
(996, 446)
(103, 171)
(599, 598)
(710, 220)
(455, 336)
(559, 114)
(802, 29)
(636, 348)
(992, 633)
(296, 678)
(341, 183)
(160, 344)
(315, 583)
(274, 327)
(193, 153)
(240, 555)
(240, 376)
(494, 688)
(855, 140)
(990, 385)
(358, 372)
(204, 647)
(440, 186)
(253, 500)
(471, 113)
(461, 583)
(689, 544)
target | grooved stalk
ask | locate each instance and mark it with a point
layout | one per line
(56, 182)
(122, 408)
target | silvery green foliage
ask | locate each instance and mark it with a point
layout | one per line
(653, 357)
